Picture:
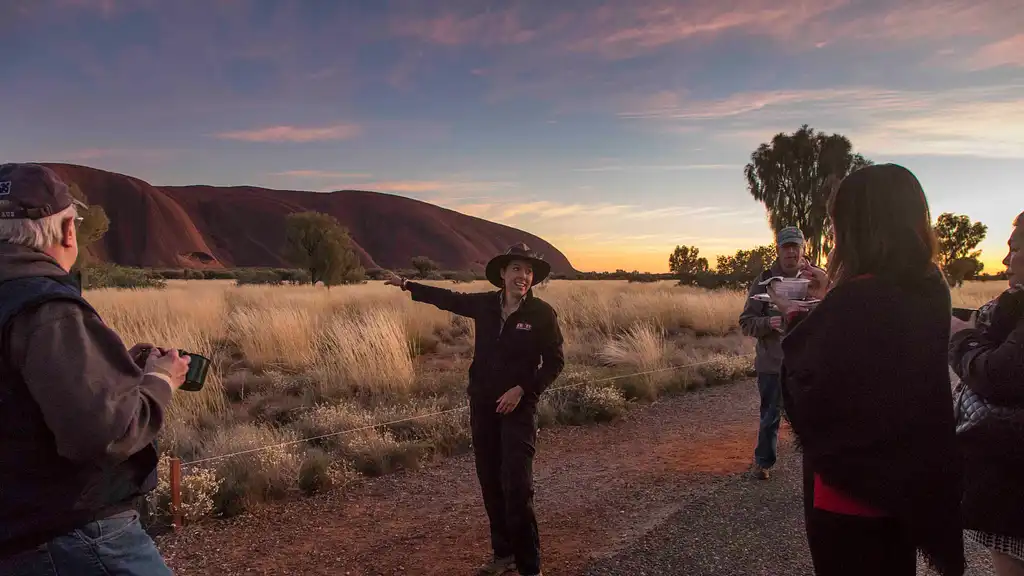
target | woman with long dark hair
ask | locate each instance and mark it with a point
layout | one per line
(866, 387)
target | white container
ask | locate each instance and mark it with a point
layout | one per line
(792, 288)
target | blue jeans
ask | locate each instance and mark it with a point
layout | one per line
(766, 451)
(114, 546)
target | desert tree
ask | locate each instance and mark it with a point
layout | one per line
(318, 243)
(794, 175)
(687, 264)
(740, 269)
(424, 266)
(958, 237)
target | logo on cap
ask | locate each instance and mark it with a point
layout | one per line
(5, 188)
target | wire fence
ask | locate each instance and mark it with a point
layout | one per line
(450, 410)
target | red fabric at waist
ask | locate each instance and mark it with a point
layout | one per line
(832, 500)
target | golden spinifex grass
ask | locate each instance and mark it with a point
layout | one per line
(294, 362)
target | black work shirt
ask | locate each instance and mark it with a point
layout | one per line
(524, 350)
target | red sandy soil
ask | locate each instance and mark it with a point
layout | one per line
(214, 227)
(598, 487)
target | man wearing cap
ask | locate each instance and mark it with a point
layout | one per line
(518, 355)
(759, 320)
(78, 414)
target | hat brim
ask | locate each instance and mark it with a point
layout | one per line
(541, 269)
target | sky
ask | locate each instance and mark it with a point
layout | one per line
(615, 129)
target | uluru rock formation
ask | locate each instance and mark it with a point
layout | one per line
(242, 226)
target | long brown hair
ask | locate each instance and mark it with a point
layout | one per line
(882, 225)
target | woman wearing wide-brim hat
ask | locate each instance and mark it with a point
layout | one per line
(518, 355)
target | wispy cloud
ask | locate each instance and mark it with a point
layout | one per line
(985, 121)
(454, 29)
(523, 211)
(657, 168)
(294, 133)
(441, 186)
(321, 174)
(629, 29)
(1006, 52)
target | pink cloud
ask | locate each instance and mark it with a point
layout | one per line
(627, 30)
(448, 186)
(294, 134)
(321, 174)
(450, 29)
(105, 7)
(1007, 52)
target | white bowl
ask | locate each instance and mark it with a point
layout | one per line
(792, 288)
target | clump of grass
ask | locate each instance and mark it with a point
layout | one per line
(199, 487)
(365, 354)
(581, 405)
(643, 349)
(256, 476)
(975, 294)
(275, 335)
(320, 472)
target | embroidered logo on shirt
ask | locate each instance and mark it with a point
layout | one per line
(524, 326)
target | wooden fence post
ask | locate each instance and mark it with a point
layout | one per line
(176, 493)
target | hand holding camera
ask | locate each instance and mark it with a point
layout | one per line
(186, 370)
(170, 363)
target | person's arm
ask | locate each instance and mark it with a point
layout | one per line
(459, 303)
(753, 320)
(94, 398)
(995, 370)
(552, 355)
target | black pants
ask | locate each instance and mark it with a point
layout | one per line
(504, 446)
(844, 545)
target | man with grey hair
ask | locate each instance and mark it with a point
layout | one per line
(759, 320)
(79, 412)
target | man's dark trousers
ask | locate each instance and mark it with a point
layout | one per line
(504, 446)
(766, 451)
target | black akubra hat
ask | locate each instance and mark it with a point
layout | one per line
(541, 269)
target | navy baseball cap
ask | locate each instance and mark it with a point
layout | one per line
(32, 191)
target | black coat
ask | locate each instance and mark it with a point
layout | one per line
(525, 350)
(866, 389)
(990, 359)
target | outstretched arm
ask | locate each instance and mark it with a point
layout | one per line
(459, 303)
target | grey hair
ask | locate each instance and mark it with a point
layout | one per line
(1019, 220)
(38, 234)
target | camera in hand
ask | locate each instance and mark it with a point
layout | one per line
(198, 368)
(964, 313)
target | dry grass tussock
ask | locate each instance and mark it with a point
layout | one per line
(974, 294)
(295, 362)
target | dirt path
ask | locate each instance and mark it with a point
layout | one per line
(598, 488)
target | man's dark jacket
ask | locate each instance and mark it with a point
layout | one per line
(78, 418)
(525, 350)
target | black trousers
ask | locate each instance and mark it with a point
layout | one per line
(843, 545)
(504, 446)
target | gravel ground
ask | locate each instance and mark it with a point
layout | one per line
(661, 491)
(739, 526)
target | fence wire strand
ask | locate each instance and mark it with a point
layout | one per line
(448, 411)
